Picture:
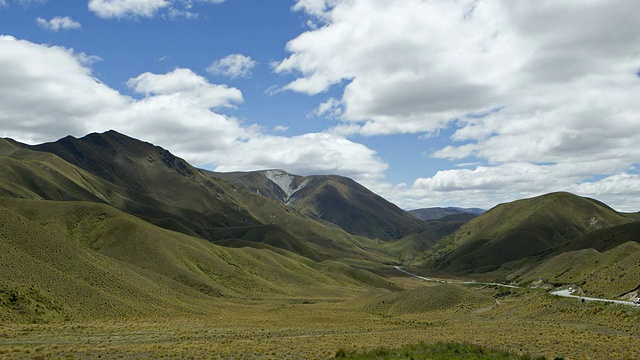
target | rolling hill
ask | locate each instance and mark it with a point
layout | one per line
(107, 224)
(608, 274)
(82, 260)
(152, 184)
(521, 229)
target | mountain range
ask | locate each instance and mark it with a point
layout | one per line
(435, 213)
(125, 227)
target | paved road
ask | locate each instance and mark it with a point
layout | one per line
(568, 293)
(453, 281)
(563, 293)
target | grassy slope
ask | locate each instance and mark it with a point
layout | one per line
(356, 209)
(521, 229)
(605, 239)
(312, 238)
(336, 200)
(608, 274)
(150, 183)
(427, 298)
(85, 260)
(137, 167)
(406, 249)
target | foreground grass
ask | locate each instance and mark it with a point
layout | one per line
(437, 351)
(521, 323)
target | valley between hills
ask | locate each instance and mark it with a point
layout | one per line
(111, 247)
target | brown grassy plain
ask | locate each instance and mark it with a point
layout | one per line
(522, 321)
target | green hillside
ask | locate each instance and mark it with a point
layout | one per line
(111, 247)
(426, 299)
(150, 183)
(521, 229)
(605, 239)
(78, 260)
(608, 274)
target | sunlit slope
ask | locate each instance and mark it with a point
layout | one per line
(521, 229)
(86, 260)
(609, 274)
(46, 276)
(139, 167)
(427, 299)
(152, 184)
(8, 146)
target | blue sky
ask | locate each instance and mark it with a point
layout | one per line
(428, 103)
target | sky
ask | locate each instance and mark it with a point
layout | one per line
(467, 103)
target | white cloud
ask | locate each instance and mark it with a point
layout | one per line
(521, 83)
(331, 108)
(315, 153)
(127, 8)
(413, 66)
(86, 60)
(185, 84)
(621, 190)
(233, 66)
(49, 93)
(58, 23)
(175, 14)
(146, 8)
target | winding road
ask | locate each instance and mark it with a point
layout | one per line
(563, 293)
(569, 293)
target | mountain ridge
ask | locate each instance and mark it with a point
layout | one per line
(435, 213)
(331, 198)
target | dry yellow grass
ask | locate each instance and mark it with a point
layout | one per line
(523, 322)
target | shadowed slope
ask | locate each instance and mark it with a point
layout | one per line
(333, 199)
(436, 213)
(521, 229)
(152, 184)
(142, 168)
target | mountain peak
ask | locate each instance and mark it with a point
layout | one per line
(286, 182)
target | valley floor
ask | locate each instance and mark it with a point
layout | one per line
(522, 321)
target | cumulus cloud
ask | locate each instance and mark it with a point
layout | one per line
(315, 153)
(185, 84)
(58, 23)
(522, 85)
(145, 8)
(412, 66)
(233, 66)
(127, 8)
(49, 93)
